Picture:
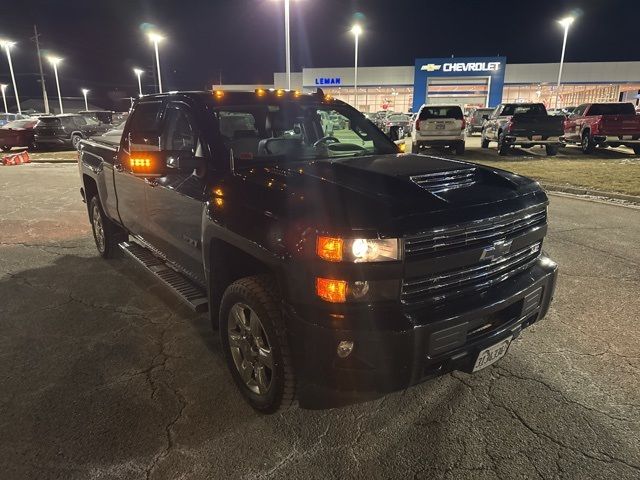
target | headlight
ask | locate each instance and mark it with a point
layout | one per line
(357, 250)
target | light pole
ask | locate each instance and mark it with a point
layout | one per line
(3, 87)
(287, 42)
(7, 48)
(84, 93)
(157, 38)
(139, 73)
(54, 61)
(566, 23)
(356, 30)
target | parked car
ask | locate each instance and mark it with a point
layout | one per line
(439, 125)
(525, 125)
(331, 269)
(603, 125)
(476, 119)
(396, 125)
(18, 133)
(111, 137)
(10, 117)
(65, 130)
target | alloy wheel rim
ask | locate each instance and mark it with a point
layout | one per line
(250, 348)
(98, 229)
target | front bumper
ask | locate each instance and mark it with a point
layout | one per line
(449, 339)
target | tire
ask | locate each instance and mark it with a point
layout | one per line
(484, 143)
(503, 149)
(636, 149)
(106, 234)
(245, 301)
(459, 148)
(551, 150)
(6, 148)
(587, 144)
(75, 140)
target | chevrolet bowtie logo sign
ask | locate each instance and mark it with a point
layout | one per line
(431, 67)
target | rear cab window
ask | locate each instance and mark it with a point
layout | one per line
(524, 109)
(612, 109)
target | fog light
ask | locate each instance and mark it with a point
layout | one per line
(345, 347)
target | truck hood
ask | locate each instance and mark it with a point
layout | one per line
(396, 191)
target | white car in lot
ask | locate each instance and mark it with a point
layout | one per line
(439, 125)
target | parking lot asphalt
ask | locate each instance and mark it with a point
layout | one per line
(103, 374)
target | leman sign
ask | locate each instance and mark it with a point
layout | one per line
(328, 81)
(463, 67)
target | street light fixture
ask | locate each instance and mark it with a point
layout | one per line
(566, 23)
(156, 38)
(3, 87)
(84, 93)
(357, 31)
(54, 61)
(7, 48)
(139, 73)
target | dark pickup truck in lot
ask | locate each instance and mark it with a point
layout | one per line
(524, 125)
(603, 125)
(336, 268)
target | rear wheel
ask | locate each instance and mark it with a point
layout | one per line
(552, 150)
(106, 234)
(255, 344)
(459, 148)
(75, 140)
(587, 144)
(6, 148)
(484, 143)
(636, 149)
(503, 148)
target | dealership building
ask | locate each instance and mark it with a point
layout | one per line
(468, 81)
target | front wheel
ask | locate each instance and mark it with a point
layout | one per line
(255, 344)
(503, 148)
(75, 140)
(6, 148)
(636, 149)
(106, 234)
(587, 144)
(484, 143)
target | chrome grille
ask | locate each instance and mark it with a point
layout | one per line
(441, 181)
(436, 287)
(481, 231)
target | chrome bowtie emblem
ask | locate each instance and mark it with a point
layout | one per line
(498, 249)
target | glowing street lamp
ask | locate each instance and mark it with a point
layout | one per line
(156, 38)
(54, 61)
(357, 31)
(3, 87)
(566, 23)
(84, 93)
(6, 44)
(139, 73)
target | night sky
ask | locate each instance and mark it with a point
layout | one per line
(243, 40)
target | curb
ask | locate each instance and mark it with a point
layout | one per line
(591, 193)
(53, 160)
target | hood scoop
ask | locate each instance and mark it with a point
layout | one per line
(443, 181)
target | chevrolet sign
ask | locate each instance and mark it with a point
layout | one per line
(463, 67)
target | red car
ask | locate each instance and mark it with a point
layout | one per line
(603, 125)
(18, 133)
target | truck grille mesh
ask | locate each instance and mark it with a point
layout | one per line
(463, 280)
(441, 181)
(481, 231)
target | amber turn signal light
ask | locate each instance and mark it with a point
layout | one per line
(330, 290)
(330, 248)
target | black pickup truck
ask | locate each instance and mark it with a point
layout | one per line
(335, 267)
(525, 125)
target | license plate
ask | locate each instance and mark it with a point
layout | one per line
(440, 126)
(491, 355)
(536, 137)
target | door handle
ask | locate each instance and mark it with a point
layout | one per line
(151, 182)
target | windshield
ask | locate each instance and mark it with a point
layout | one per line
(482, 111)
(398, 118)
(612, 109)
(526, 109)
(286, 131)
(20, 124)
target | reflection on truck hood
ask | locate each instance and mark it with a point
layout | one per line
(359, 192)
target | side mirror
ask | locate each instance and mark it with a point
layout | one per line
(151, 164)
(485, 117)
